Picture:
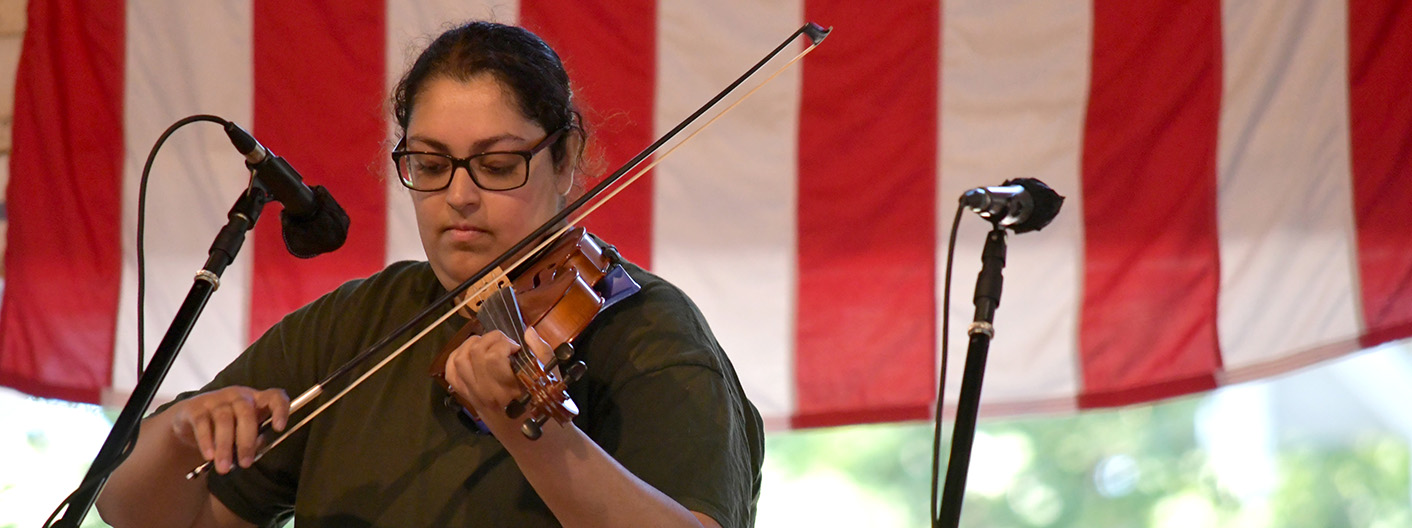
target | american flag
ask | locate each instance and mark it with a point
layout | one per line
(1238, 174)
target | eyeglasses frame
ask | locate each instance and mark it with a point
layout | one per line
(465, 163)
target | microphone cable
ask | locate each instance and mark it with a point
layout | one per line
(941, 386)
(99, 477)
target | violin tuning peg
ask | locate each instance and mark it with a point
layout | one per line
(610, 252)
(563, 352)
(532, 429)
(575, 371)
(515, 408)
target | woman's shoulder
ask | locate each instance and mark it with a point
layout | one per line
(661, 301)
(656, 327)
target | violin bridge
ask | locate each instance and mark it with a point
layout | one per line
(480, 291)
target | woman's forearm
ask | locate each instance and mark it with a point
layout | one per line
(150, 487)
(584, 486)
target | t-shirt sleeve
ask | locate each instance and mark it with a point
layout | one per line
(671, 410)
(681, 435)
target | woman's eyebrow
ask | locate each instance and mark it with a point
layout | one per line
(477, 147)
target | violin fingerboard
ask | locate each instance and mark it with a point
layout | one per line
(500, 311)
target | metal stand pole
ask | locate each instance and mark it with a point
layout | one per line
(987, 299)
(123, 435)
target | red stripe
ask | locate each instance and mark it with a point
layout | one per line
(858, 414)
(867, 182)
(610, 50)
(65, 202)
(319, 103)
(1151, 254)
(1380, 74)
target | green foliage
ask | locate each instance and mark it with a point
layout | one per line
(890, 461)
(1124, 468)
(1364, 484)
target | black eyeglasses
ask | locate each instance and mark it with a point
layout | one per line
(492, 171)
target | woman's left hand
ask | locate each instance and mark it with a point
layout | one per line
(480, 369)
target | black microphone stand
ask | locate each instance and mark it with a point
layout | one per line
(987, 299)
(123, 435)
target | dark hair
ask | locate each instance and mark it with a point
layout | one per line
(517, 58)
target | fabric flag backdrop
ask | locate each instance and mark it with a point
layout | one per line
(1239, 182)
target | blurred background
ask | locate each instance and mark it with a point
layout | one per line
(1322, 446)
(1325, 447)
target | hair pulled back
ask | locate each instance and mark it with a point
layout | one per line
(519, 59)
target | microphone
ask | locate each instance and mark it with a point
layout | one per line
(312, 221)
(1021, 204)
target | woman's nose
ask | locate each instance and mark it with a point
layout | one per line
(462, 191)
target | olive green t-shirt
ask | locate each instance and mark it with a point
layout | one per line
(659, 396)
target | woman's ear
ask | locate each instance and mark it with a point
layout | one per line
(564, 183)
(567, 172)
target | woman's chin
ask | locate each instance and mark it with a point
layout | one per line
(458, 268)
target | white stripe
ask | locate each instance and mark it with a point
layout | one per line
(411, 25)
(724, 225)
(184, 58)
(1284, 203)
(1014, 89)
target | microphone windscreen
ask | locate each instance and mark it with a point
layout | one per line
(311, 235)
(1046, 204)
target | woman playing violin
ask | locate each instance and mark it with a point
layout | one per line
(489, 147)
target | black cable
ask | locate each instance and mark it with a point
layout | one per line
(141, 230)
(941, 386)
(131, 442)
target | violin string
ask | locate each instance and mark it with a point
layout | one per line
(503, 309)
(501, 273)
(511, 324)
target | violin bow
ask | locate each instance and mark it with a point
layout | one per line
(493, 270)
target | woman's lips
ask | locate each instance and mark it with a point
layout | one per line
(465, 233)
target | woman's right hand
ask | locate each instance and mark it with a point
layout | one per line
(224, 424)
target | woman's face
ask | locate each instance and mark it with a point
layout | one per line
(464, 227)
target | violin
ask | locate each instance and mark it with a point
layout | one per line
(555, 295)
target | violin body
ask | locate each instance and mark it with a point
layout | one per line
(553, 293)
